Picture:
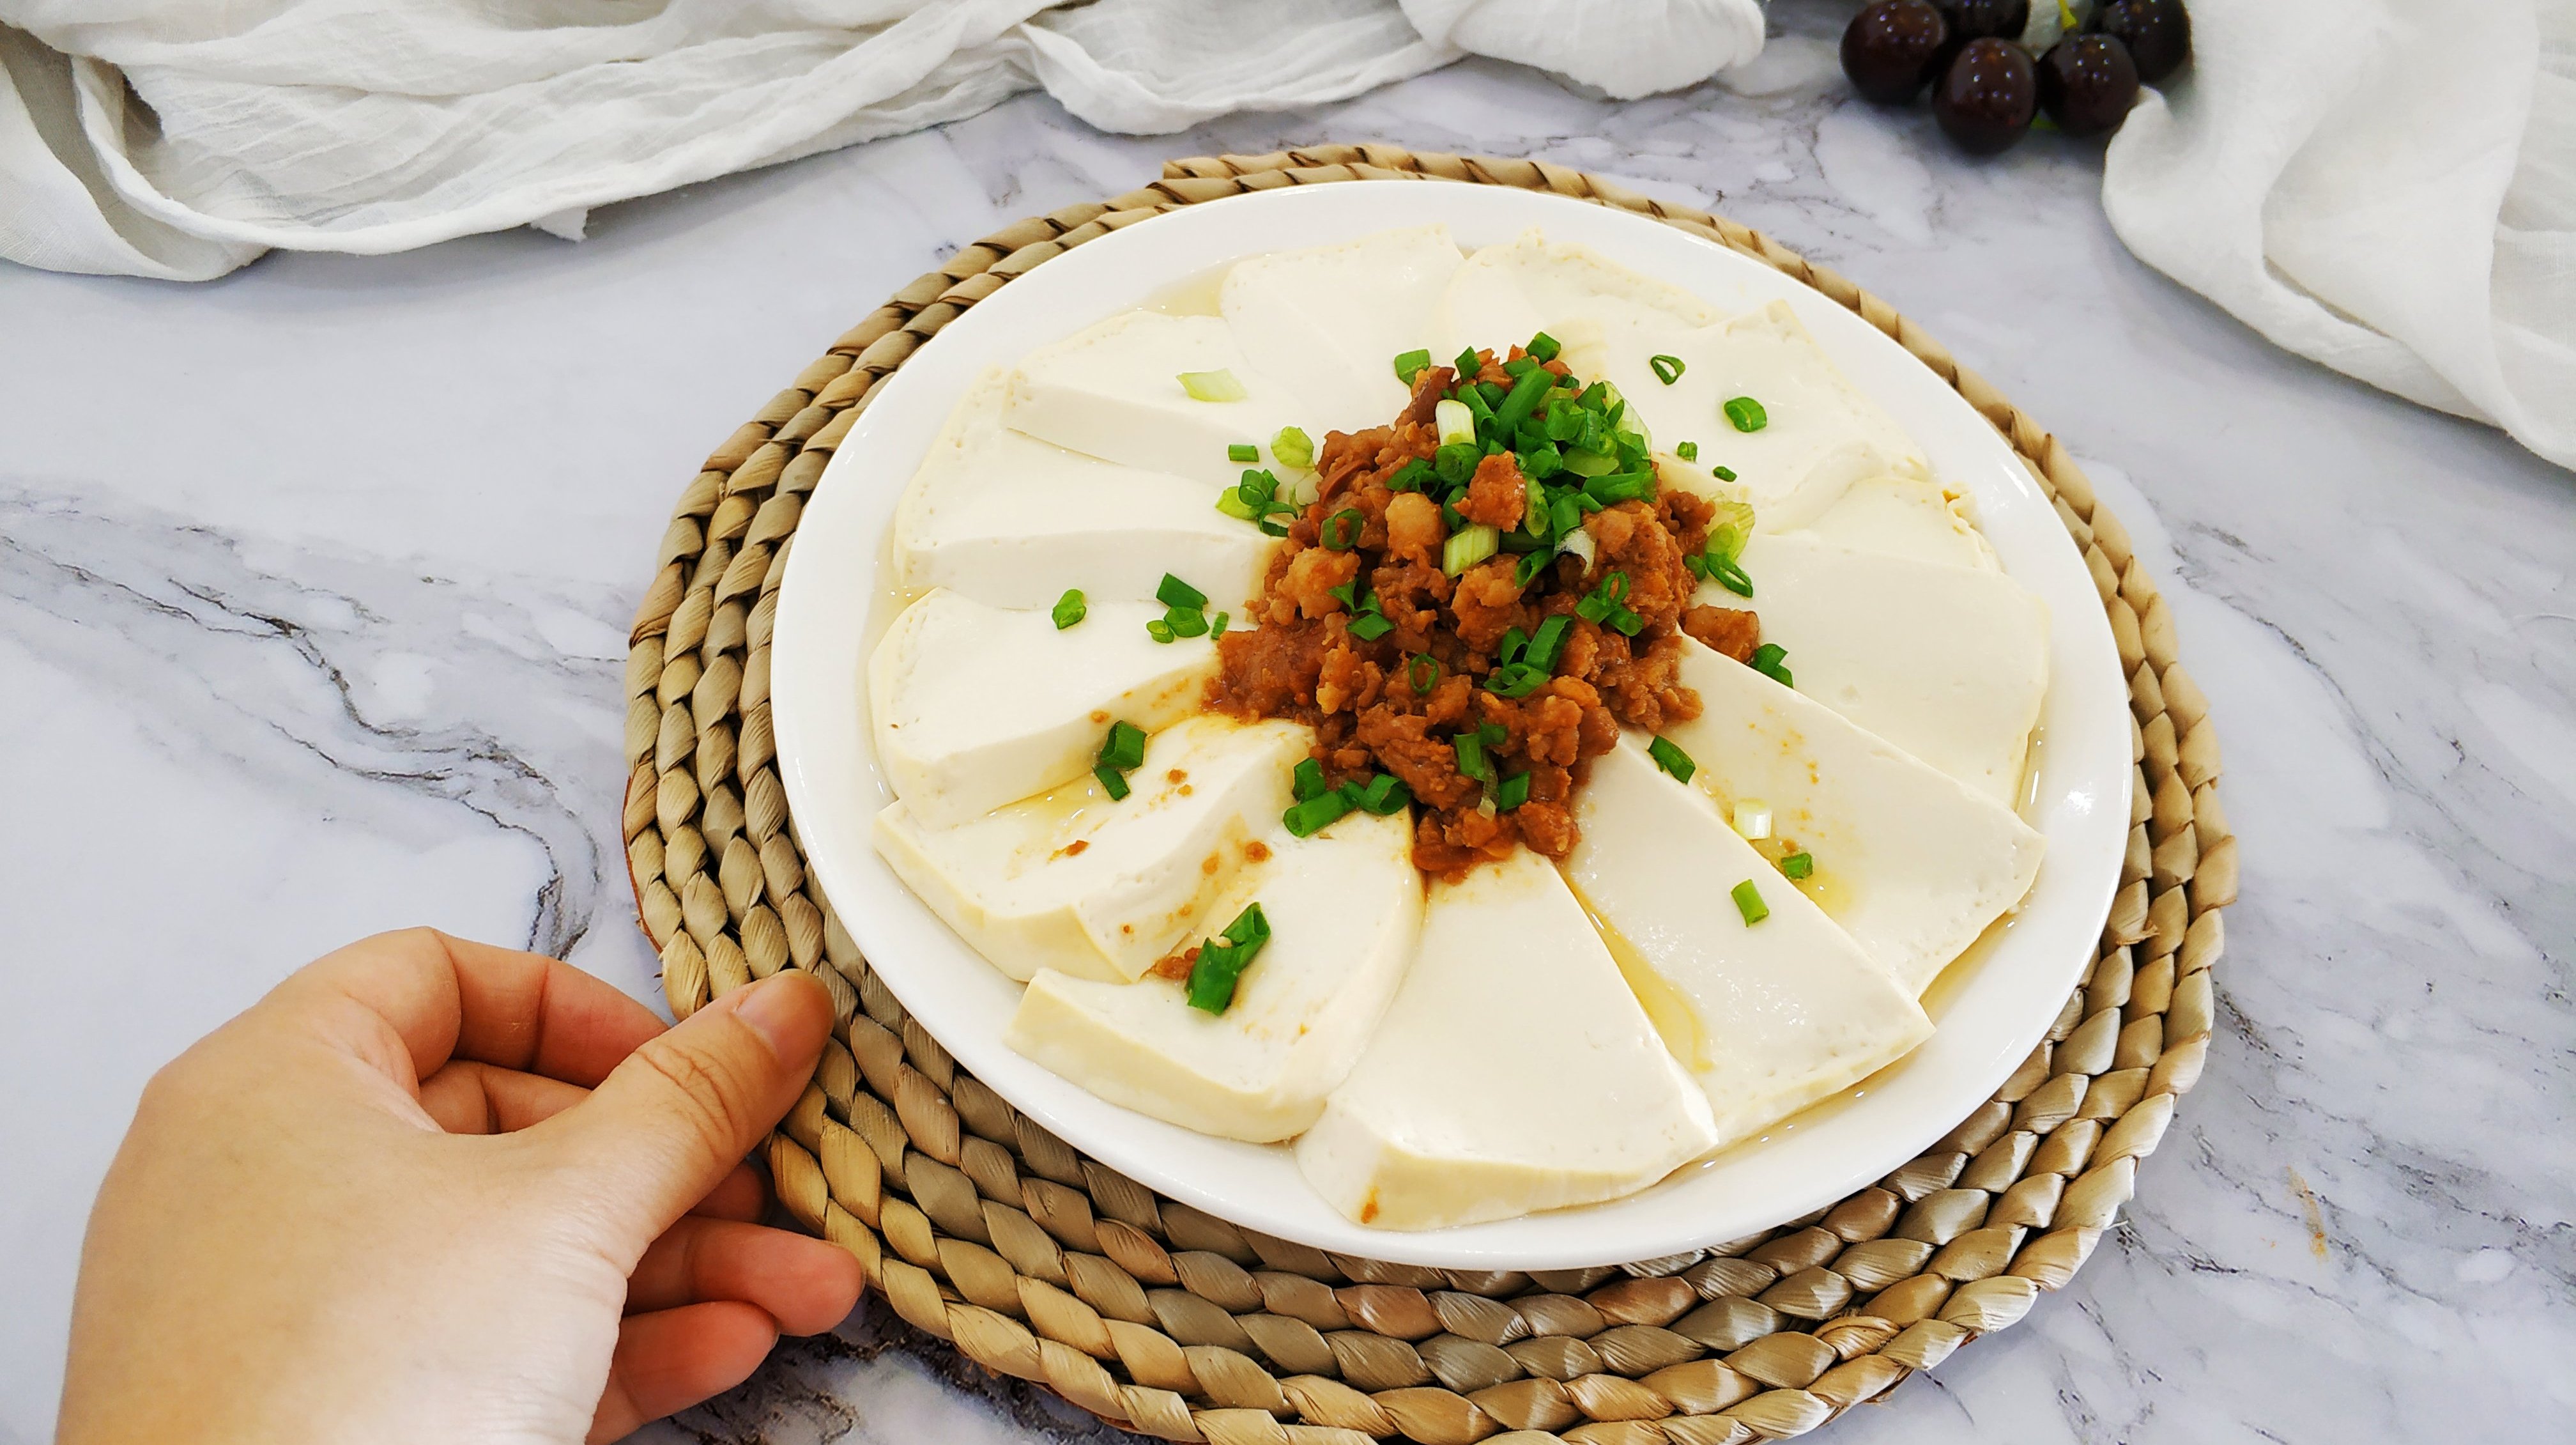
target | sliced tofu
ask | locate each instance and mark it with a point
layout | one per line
(1329, 321)
(1514, 1072)
(1114, 392)
(1006, 519)
(1948, 663)
(1911, 862)
(978, 706)
(1093, 888)
(1344, 905)
(1766, 1017)
(1504, 294)
(1820, 434)
(1905, 517)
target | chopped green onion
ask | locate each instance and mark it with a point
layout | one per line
(1543, 346)
(1515, 679)
(1522, 400)
(1159, 630)
(1223, 959)
(1687, 451)
(1218, 624)
(1668, 369)
(1753, 819)
(1411, 476)
(1243, 452)
(1456, 421)
(1587, 463)
(1306, 780)
(1186, 622)
(1725, 573)
(1619, 487)
(1526, 571)
(1748, 901)
(1798, 865)
(1385, 793)
(1510, 648)
(1468, 546)
(1231, 502)
(1771, 660)
(1492, 734)
(1455, 464)
(1069, 609)
(1512, 792)
(1306, 819)
(1746, 414)
(1471, 756)
(1176, 593)
(1730, 529)
(1212, 386)
(1548, 643)
(1124, 747)
(1723, 474)
(1409, 364)
(1112, 780)
(1293, 447)
(1371, 625)
(1467, 363)
(1341, 531)
(1603, 605)
(1671, 759)
(1423, 672)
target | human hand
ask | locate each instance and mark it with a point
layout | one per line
(432, 1190)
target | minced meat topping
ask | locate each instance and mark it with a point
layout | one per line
(1479, 618)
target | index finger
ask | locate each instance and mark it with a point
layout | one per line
(451, 998)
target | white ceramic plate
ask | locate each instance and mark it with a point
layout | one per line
(1992, 1007)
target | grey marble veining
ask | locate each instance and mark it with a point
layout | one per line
(314, 585)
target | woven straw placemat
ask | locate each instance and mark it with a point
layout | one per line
(983, 1229)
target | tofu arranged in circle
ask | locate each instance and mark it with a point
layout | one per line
(1904, 517)
(976, 706)
(999, 516)
(1329, 321)
(1514, 1072)
(1506, 294)
(1948, 663)
(1095, 887)
(1911, 862)
(1344, 908)
(1116, 392)
(1767, 1016)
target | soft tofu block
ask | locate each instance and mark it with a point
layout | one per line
(1506, 293)
(1514, 1072)
(1913, 863)
(1948, 663)
(1344, 907)
(1096, 888)
(1114, 392)
(977, 706)
(1904, 517)
(1329, 321)
(1766, 1017)
(1006, 519)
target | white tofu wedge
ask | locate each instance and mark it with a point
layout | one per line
(1948, 663)
(1344, 907)
(1099, 889)
(1911, 862)
(1330, 321)
(1766, 1017)
(1820, 435)
(1504, 294)
(1013, 521)
(978, 706)
(1114, 392)
(1514, 1072)
(1905, 517)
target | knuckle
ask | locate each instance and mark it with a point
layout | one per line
(708, 1104)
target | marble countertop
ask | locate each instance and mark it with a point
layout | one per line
(314, 585)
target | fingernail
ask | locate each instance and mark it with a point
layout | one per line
(770, 1007)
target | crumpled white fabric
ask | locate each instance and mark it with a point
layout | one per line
(2386, 186)
(180, 138)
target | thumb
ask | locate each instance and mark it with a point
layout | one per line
(681, 1111)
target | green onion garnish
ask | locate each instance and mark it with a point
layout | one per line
(1514, 641)
(1212, 386)
(1159, 629)
(1515, 679)
(1668, 369)
(1748, 901)
(1798, 865)
(1468, 546)
(1069, 609)
(1385, 793)
(1725, 573)
(1304, 820)
(1723, 474)
(1746, 414)
(1219, 623)
(1371, 625)
(1531, 564)
(1341, 531)
(1471, 756)
(1124, 747)
(1548, 642)
(1687, 451)
(1619, 487)
(1293, 447)
(1306, 780)
(1223, 959)
(1409, 364)
(1423, 672)
(1456, 421)
(1411, 477)
(1511, 792)
(1243, 452)
(1771, 660)
(1522, 400)
(1671, 759)
(1543, 347)
(1186, 622)
(1176, 593)
(1466, 363)
(1112, 780)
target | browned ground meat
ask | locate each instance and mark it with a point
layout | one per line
(1399, 702)
(1732, 631)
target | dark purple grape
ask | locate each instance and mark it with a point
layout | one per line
(1970, 19)
(2087, 84)
(1888, 48)
(1986, 98)
(2157, 32)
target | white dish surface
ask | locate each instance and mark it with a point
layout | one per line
(1991, 1007)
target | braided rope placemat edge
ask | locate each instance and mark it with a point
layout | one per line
(981, 1228)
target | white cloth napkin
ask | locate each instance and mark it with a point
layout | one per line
(2386, 186)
